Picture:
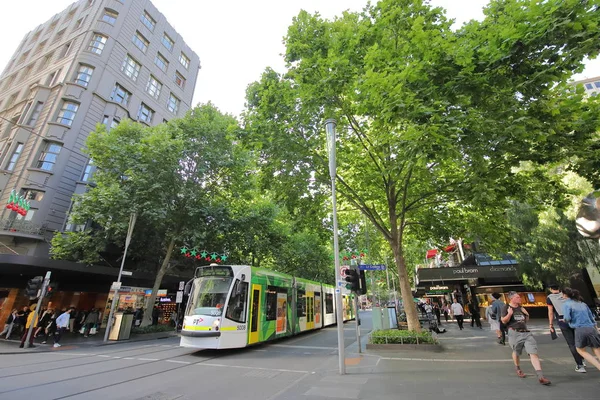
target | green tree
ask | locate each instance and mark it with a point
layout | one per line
(430, 120)
(175, 176)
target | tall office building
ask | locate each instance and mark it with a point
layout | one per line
(98, 61)
(590, 85)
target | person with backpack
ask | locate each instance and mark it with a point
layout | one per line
(496, 314)
(555, 302)
(579, 317)
(10, 322)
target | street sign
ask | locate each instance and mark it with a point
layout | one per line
(115, 286)
(341, 283)
(372, 267)
(179, 298)
(181, 285)
(337, 290)
(126, 273)
(343, 270)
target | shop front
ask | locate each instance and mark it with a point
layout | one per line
(478, 277)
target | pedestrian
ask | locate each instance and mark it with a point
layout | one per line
(43, 322)
(497, 308)
(155, 315)
(446, 310)
(458, 313)
(90, 321)
(555, 302)
(493, 320)
(9, 324)
(27, 325)
(438, 314)
(138, 316)
(62, 324)
(475, 314)
(50, 327)
(515, 317)
(579, 317)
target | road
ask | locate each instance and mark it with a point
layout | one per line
(162, 370)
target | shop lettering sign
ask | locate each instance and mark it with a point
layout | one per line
(507, 273)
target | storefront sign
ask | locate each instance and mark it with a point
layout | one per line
(164, 300)
(507, 273)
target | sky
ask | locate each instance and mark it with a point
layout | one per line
(235, 39)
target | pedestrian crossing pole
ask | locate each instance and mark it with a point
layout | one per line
(42, 294)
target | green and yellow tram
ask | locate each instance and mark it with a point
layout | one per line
(233, 306)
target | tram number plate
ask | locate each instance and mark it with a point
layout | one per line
(241, 327)
(216, 313)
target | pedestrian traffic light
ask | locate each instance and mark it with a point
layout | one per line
(353, 279)
(33, 287)
(52, 287)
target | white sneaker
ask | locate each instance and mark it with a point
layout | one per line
(56, 345)
(580, 369)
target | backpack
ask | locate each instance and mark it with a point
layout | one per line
(493, 313)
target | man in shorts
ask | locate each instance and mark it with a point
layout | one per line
(515, 317)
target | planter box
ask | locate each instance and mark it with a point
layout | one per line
(400, 347)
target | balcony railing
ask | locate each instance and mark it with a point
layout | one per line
(21, 227)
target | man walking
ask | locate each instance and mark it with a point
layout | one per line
(515, 317)
(555, 302)
(62, 324)
(458, 312)
(475, 314)
(496, 314)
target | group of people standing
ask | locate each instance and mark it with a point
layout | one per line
(573, 317)
(49, 323)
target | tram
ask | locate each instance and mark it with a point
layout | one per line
(232, 306)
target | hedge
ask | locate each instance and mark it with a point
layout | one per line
(395, 336)
(152, 329)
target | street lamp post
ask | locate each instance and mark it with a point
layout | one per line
(330, 125)
(132, 219)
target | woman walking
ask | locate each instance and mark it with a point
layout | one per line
(494, 322)
(579, 317)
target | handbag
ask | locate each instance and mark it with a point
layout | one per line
(93, 331)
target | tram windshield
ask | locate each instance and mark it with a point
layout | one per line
(209, 296)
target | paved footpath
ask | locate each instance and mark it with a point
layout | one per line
(470, 366)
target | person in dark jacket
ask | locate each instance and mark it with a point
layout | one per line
(10, 322)
(475, 314)
(90, 321)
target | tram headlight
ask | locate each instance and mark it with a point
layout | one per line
(216, 324)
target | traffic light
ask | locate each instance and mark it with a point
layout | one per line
(51, 289)
(33, 287)
(362, 283)
(353, 279)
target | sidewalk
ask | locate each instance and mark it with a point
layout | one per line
(71, 341)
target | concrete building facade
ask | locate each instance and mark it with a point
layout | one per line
(98, 61)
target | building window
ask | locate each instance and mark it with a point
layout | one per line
(36, 36)
(46, 61)
(589, 86)
(32, 194)
(114, 123)
(153, 87)
(79, 23)
(84, 75)
(597, 84)
(11, 100)
(97, 43)
(87, 173)
(140, 41)
(145, 114)
(23, 57)
(120, 95)
(53, 78)
(48, 156)
(35, 113)
(131, 67)
(173, 104)
(167, 42)
(70, 15)
(27, 217)
(67, 113)
(148, 21)
(52, 26)
(161, 62)
(59, 35)
(41, 46)
(14, 157)
(110, 16)
(66, 49)
(184, 60)
(179, 80)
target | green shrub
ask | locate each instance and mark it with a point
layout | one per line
(151, 329)
(395, 336)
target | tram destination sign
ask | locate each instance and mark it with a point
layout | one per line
(372, 267)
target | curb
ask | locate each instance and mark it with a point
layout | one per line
(49, 348)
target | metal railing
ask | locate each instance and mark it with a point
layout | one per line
(22, 226)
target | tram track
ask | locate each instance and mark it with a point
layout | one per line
(44, 365)
(153, 361)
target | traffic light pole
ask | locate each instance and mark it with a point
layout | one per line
(39, 304)
(357, 319)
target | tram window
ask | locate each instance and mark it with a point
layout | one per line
(301, 304)
(328, 303)
(271, 303)
(236, 309)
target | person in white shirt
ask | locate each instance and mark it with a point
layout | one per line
(62, 323)
(458, 313)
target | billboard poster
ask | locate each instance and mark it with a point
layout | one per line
(281, 312)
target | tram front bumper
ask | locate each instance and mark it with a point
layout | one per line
(201, 333)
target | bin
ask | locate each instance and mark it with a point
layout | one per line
(121, 328)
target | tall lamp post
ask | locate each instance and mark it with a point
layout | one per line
(132, 219)
(330, 125)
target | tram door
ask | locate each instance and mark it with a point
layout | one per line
(310, 310)
(253, 336)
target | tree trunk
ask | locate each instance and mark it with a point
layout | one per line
(412, 318)
(157, 281)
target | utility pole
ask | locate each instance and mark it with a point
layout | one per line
(132, 219)
(330, 131)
